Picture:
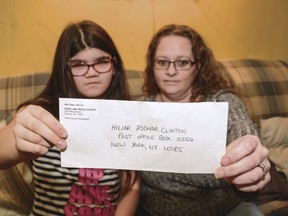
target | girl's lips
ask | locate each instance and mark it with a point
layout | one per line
(93, 83)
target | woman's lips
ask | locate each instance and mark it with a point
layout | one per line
(170, 82)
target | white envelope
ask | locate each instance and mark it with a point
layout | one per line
(148, 136)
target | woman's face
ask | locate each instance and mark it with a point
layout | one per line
(92, 84)
(175, 84)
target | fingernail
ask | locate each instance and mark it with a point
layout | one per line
(63, 133)
(218, 174)
(225, 161)
(61, 145)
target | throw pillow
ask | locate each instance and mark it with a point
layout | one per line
(274, 131)
(274, 134)
(279, 156)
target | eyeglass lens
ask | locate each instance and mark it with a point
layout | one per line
(162, 64)
(80, 68)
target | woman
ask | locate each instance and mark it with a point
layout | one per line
(181, 68)
(86, 65)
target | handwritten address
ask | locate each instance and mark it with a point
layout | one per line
(137, 138)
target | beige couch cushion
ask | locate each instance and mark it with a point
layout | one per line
(274, 134)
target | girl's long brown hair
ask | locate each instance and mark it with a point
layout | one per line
(75, 38)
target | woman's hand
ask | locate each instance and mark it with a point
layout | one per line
(245, 164)
(36, 130)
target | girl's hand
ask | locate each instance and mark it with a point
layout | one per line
(36, 130)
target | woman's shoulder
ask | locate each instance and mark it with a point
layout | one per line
(223, 96)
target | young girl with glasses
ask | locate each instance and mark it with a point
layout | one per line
(86, 65)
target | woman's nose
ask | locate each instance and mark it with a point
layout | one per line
(171, 70)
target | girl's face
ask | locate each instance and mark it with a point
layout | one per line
(175, 83)
(90, 82)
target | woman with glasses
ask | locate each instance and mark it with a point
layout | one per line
(181, 68)
(86, 65)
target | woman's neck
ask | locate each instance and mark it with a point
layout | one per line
(184, 99)
(164, 98)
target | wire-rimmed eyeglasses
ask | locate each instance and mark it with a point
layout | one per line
(181, 64)
(80, 68)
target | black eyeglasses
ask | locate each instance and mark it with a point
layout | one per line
(179, 65)
(80, 68)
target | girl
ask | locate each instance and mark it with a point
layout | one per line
(86, 65)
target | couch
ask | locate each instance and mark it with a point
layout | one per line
(264, 82)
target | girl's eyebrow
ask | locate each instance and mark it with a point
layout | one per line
(97, 59)
(104, 57)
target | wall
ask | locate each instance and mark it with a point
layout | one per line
(29, 29)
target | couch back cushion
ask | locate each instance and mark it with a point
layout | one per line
(264, 82)
(16, 89)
